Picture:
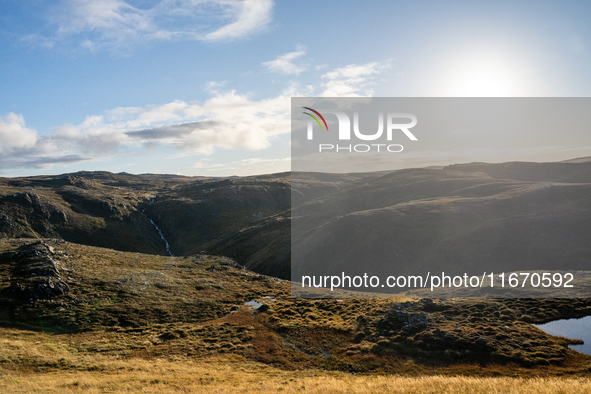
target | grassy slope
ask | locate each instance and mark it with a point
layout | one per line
(235, 374)
(124, 308)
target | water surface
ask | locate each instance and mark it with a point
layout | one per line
(571, 328)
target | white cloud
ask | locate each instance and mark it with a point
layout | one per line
(252, 16)
(227, 120)
(93, 136)
(294, 89)
(353, 80)
(94, 24)
(14, 134)
(233, 121)
(284, 63)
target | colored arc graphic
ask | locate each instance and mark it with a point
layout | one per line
(315, 118)
(317, 113)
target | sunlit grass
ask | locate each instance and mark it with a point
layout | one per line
(32, 362)
(138, 323)
(233, 374)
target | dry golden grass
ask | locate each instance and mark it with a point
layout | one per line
(232, 374)
(137, 323)
(33, 362)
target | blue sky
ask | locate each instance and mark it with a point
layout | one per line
(203, 87)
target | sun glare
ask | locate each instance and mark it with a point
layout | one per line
(484, 75)
(487, 82)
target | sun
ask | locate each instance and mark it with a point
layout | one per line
(484, 75)
(485, 82)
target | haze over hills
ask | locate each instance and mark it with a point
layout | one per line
(470, 218)
(463, 218)
(499, 215)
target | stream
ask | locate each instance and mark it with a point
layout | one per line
(158, 228)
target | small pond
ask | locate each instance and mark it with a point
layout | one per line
(571, 328)
(253, 304)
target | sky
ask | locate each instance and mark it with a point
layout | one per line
(203, 87)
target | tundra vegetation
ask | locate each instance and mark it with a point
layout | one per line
(91, 301)
(77, 318)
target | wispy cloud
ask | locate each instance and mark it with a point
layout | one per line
(354, 80)
(284, 63)
(214, 86)
(251, 16)
(95, 24)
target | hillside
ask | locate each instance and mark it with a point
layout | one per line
(120, 211)
(459, 219)
(99, 307)
(482, 217)
(94, 208)
(506, 216)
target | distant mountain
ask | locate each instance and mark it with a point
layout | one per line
(461, 218)
(471, 218)
(115, 210)
(578, 160)
(501, 215)
(575, 171)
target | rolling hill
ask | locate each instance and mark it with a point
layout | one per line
(460, 218)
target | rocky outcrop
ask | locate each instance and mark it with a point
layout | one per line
(35, 273)
(400, 319)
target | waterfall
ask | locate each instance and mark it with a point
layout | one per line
(158, 228)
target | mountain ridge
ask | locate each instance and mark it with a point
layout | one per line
(249, 218)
